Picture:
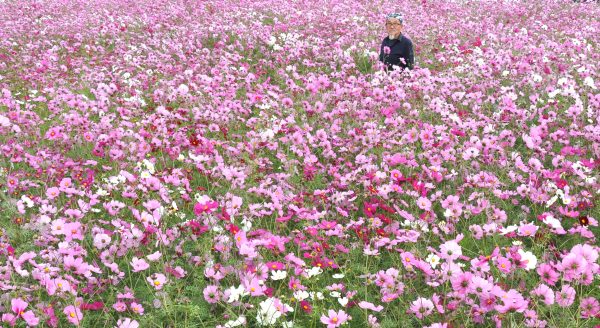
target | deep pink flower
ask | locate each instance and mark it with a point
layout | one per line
(306, 307)
(275, 266)
(208, 206)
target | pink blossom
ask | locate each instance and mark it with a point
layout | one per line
(334, 319)
(52, 192)
(370, 306)
(18, 307)
(566, 296)
(590, 307)
(157, 280)
(421, 307)
(127, 323)
(73, 314)
(211, 294)
(139, 264)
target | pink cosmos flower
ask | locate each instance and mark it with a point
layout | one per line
(12, 183)
(408, 259)
(18, 307)
(545, 293)
(75, 264)
(74, 315)
(127, 323)
(52, 320)
(572, 266)
(120, 306)
(589, 307)
(253, 286)
(450, 250)
(139, 264)
(421, 307)
(547, 273)
(370, 306)
(65, 184)
(511, 301)
(157, 280)
(504, 264)
(57, 285)
(334, 319)
(136, 308)
(211, 294)
(424, 203)
(52, 192)
(462, 282)
(527, 230)
(566, 296)
(101, 240)
(73, 230)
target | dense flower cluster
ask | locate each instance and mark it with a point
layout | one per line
(229, 164)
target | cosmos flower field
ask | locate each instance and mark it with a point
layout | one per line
(251, 164)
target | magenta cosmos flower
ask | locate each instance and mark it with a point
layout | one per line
(208, 206)
(334, 319)
(18, 306)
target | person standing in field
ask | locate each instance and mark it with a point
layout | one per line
(396, 48)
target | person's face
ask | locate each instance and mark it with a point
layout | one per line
(393, 26)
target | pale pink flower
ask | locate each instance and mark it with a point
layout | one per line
(334, 319)
(74, 315)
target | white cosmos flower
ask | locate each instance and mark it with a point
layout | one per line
(433, 260)
(236, 293)
(301, 295)
(508, 229)
(278, 275)
(240, 321)
(314, 271)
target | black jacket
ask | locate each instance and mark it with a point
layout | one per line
(399, 48)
